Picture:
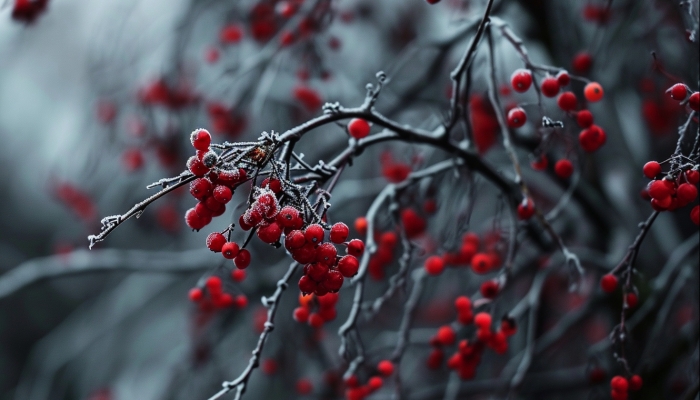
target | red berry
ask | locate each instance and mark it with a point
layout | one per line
(521, 80)
(516, 117)
(201, 139)
(325, 253)
(651, 169)
(619, 384)
(242, 260)
(483, 321)
(230, 250)
(333, 281)
(678, 92)
(304, 387)
(196, 166)
(194, 221)
(567, 101)
(593, 92)
(375, 382)
(348, 266)
(358, 128)
(489, 289)
(563, 78)
(196, 294)
(693, 176)
(550, 86)
(462, 303)
(305, 254)
(564, 169)
(635, 382)
(361, 225)
(356, 247)
(592, 139)
(222, 194)
(582, 62)
(540, 164)
(339, 233)
(214, 285)
(287, 216)
(231, 34)
(694, 101)
(238, 275)
(608, 283)
(615, 395)
(315, 320)
(481, 263)
(659, 189)
(632, 300)
(695, 215)
(200, 188)
(270, 233)
(306, 284)
(686, 193)
(434, 265)
(584, 118)
(301, 314)
(314, 234)
(446, 335)
(526, 209)
(215, 241)
(385, 367)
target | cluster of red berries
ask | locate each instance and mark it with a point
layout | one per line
(394, 171)
(384, 255)
(215, 185)
(212, 296)
(680, 92)
(609, 283)
(324, 271)
(620, 386)
(325, 312)
(355, 391)
(468, 355)
(669, 193)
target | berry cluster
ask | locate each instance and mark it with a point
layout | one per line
(468, 355)
(675, 190)
(325, 312)
(682, 93)
(324, 271)
(355, 391)
(620, 386)
(212, 296)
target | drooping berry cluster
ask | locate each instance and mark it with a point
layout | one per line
(469, 351)
(212, 296)
(355, 391)
(620, 386)
(675, 190)
(325, 309)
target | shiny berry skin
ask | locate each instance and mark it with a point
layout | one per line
(348, 266)
(592, 139)
(434, 265)
(356, 247)
(686, 193)
(694, 103)
(196, 166)
(358, 128)
(215, 241)
(526, 209)
(195, 221)
(316, 271)
(200, 188)
(222, 194)
(659, 189)
(314, 234)
(270, 233)
(567, 101)
(305, 254)
(287, 216)
(294, 240)
(307, 285)
(678, 92)
(521, 80)
(563, 78)
(200, 139)
(242, 260)
(333, 281)
(593, 92)
(195, 294)
(564, 169)
(584, 119)
(325, 253)
(385, 367)
(230, 250)
(339, 233)
(608, 283)
(651, 169)
(516, 117)
(693, 176)
(549, 86)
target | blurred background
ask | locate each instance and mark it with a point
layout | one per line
(97, 100)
